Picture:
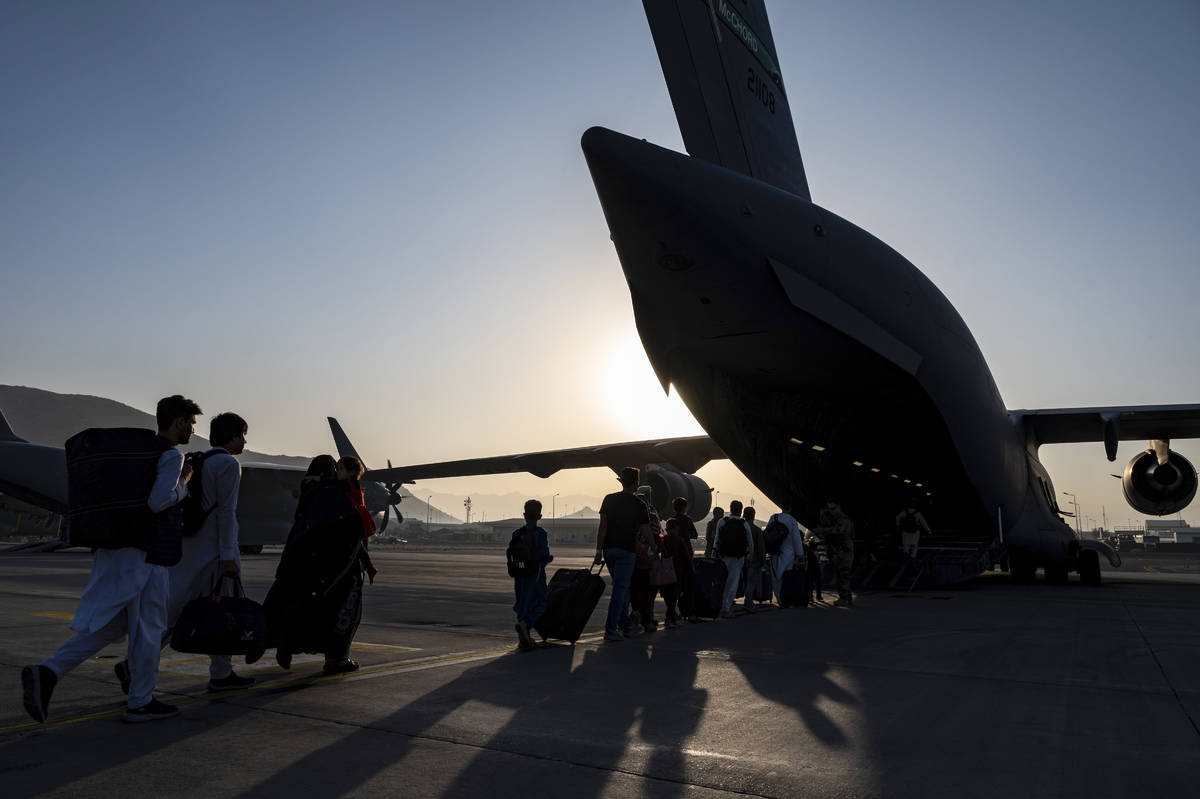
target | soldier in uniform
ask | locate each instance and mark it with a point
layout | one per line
(838, 533)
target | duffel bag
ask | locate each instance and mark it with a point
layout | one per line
(222, 625)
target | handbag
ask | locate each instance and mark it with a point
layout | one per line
(222, 625)
(662, 571)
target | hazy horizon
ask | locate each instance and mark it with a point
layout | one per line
(380, 212)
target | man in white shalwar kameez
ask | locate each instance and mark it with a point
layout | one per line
(791, 550)
(125, 595)
(213, 550)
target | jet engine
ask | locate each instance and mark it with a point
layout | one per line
(666, 483)
(1159, 483)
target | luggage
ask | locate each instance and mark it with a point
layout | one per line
(708, 587)
(222, 625)
(662, 571)
(774, 536)
(763, 587)
(731, 538)
(192, 506)
(522, 555)
(793, 589)
(110, 472)
(571, 596)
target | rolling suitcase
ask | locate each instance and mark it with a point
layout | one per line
(571, 596)
(793, 589)
(708, 587)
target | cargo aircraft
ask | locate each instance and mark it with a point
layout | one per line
(817, 359)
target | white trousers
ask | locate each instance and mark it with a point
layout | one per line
(733, 570)
(143, 618)
(191, 578)
(908, 543)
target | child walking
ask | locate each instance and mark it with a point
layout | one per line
(531, 546)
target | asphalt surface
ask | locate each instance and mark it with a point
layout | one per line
(991, 689)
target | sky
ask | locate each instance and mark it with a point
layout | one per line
(380, 211)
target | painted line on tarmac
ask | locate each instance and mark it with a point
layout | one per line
(381, 670)
(52, 614)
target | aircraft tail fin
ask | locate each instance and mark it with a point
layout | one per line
(6, 432)
(718, 58)
(344, 447)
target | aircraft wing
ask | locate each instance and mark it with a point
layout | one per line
(686, 454)
(1112, 424)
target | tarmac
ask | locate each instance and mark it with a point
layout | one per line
(988, 690)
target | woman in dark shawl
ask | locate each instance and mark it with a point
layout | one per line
(316, 602)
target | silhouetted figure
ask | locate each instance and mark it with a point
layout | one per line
(530, 591)
(685, 569)
(127, 592)
(710, 531)
(624, 520)
(734, 544)
(911, 523)
(315, 603)
(838, 533)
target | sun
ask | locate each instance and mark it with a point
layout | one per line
(634, 399)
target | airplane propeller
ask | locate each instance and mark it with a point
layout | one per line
(394, 498)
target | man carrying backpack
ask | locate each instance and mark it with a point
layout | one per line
(911, 523)
(127, 590)
(784, 542)
(210, 542)
(734, 544)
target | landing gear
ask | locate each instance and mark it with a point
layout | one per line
(1022, 567)
(1056, 573)
(1089, 567)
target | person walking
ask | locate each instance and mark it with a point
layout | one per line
(790, 551)
(685, 568)
(838, 533)
(531, 591)
(734, 544)
(710, 530)
(816, 576)
(641, 592)
(911, 523)
(624, 520)
(126, 593)
(211, 554)
(757, 580)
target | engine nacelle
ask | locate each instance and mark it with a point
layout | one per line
(667, 483)
(1157, 488)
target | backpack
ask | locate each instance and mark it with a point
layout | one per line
(192, 506)
(908, 523)
(522, 555)
(110, 473)
(733, 545)
(774, 536)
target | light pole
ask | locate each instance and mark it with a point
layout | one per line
(1076, 504)
(553, 507)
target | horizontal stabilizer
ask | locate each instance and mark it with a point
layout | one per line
(686, 454)
(719, 61)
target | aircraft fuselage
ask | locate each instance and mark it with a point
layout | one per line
(817, 357)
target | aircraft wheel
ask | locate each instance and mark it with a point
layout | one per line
(1022, 567)
(1089, 567)
(1056, 573)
